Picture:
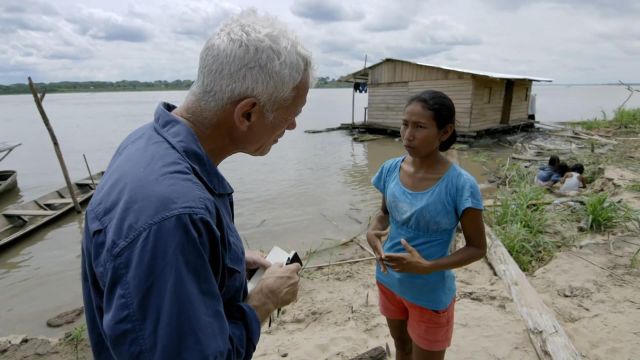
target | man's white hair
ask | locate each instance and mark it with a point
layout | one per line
(251, 55)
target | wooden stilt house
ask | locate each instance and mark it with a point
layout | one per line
(483, 100)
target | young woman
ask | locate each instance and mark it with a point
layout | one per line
(424, 198)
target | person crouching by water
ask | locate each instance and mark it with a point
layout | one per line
(163, 266)
(424, 197)
(573, 180)
(549, 174)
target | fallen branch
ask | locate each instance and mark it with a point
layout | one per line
(492, 202)
(547, 336)
(631, 91)
(587, 134)
(527, 158)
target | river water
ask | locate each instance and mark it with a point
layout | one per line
(311, 191)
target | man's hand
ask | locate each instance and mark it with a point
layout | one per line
(255, 260)
(410, 262)
(374, 238)
(277, 288)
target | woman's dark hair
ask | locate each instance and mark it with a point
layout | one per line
(443, 110)
(554, 161)
(578, 168)
(562, 168)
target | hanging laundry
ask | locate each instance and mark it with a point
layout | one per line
(360, 87)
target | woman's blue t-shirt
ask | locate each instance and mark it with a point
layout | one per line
(427, 220)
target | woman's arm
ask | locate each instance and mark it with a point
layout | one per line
(377, 231)
(475, 249)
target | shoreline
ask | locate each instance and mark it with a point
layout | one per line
(589, 285)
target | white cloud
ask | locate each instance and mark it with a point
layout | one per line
(200, 19)
(326, 10)
(104, 25)
(568, 40)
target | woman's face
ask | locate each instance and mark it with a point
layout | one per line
(419, 131)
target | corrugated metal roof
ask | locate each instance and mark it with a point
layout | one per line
(351, 76)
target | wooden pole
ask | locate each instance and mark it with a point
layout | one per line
(353, 106)
(56, 146)
(89, 170)
(547, 336)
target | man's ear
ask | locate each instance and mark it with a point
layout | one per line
(244, 113)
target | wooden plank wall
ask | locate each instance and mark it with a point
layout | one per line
(400, 71)
(458, 90)
(520, 104)
(386, 102)
(478, 99)
(486, 108)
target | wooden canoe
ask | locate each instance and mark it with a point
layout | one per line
(20, 220)
(8, 180)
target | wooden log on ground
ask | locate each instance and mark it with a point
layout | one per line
(587, 134)
(548, 337)
(528, 158)
(377, 353)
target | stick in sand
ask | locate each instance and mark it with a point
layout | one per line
(341, 262)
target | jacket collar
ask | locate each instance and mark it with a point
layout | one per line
(184, 140)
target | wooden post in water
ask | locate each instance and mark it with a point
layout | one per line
(353, 105)
(56, 146)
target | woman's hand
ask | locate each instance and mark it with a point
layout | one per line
(409, 262)
(374, 238)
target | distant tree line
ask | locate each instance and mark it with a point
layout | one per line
(127, 85)
(327, 82)
(97, 86)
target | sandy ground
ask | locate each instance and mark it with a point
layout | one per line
(337, 317)
(591, 286)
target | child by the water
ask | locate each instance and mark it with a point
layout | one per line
(573, 179)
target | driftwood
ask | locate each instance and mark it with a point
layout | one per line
(377, 353)
(38, 100)
(492, 202)
(548, 337)
(586, 135)
(528, 158)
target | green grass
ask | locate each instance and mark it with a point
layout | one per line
(603, 214)
(627, 118)
(75, 337)
(593, 124)
(622, 119)
(520, 220)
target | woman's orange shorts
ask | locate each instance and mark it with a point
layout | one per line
(430, 330)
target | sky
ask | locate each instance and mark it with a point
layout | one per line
(569, 41)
